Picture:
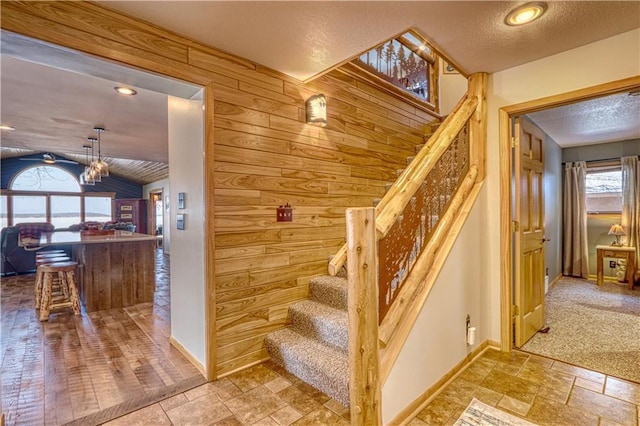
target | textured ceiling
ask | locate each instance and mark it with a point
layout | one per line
(305, 38)
(607, 119)
(55, 96)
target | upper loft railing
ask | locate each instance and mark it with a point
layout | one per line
(396, 250)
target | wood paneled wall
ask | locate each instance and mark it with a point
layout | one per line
(265, 156)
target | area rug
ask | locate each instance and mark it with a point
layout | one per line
(480, 414)
(592, 327)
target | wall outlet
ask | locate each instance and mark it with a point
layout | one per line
(612, 264)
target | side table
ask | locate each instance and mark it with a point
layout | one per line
(628, 253)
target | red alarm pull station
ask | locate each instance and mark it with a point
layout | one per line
(285, 213)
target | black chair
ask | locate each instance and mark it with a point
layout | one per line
(15, 259)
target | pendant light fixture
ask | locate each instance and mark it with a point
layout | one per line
(91, 170)
(100, 165)
(86, 178)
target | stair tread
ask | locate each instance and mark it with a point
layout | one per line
(320, 365)
(322, 322)
(315, 308)
(329, 290)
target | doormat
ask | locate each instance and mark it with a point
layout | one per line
(480, 414)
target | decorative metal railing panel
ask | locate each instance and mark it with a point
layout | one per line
(404, 242)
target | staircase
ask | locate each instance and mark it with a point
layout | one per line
(314, 348)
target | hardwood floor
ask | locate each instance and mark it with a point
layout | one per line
(90, 368)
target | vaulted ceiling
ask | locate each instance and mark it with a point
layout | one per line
(54, 97)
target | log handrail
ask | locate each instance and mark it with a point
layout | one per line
(395, 200)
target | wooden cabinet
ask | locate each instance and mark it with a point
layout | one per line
(132, 210)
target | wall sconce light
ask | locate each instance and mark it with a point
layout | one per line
(316, 109)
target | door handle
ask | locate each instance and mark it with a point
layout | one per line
(544, 240)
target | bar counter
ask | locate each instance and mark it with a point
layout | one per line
(114, 271)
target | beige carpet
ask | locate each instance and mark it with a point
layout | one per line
(592, 327)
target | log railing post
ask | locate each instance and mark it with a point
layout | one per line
(478, 123)
(362, 275)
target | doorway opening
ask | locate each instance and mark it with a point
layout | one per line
(192, 371)
(157, 215)
(511, 218)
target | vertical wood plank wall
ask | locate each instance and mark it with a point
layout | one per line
(265, 156)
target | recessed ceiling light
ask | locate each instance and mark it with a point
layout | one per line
(6, 127)
(125, 90)
(526, 13)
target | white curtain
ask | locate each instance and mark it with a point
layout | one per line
(631, 203)
(575, 250)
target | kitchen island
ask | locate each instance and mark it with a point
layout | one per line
(114, 271)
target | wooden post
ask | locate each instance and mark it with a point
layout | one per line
(478, 123)
(362, 274)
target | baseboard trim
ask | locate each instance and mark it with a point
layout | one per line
(242, 367)
(200, 366)
(555, 281)
(409, 412)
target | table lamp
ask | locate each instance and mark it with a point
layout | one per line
(616, 230)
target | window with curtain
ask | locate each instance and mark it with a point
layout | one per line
(603, 187)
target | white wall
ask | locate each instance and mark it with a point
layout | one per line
(452, 89)
(187, 246)
(470, 279)
(162, 184)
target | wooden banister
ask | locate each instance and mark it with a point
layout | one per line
(403, 189)
(458, 145)
(408, 183)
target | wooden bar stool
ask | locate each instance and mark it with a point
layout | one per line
(44, 260)
(66, 274)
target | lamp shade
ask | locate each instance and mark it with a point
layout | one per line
(617, 230)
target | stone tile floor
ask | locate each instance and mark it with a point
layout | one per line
(541, 390)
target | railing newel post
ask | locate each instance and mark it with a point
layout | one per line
(362, 295)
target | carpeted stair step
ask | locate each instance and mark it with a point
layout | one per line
(329, 290)
(321, 322)
(321, 366)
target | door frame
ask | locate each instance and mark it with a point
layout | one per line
(506, 114)
(152, 226)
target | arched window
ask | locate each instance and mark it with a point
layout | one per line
(44, 178)
(45, 193)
